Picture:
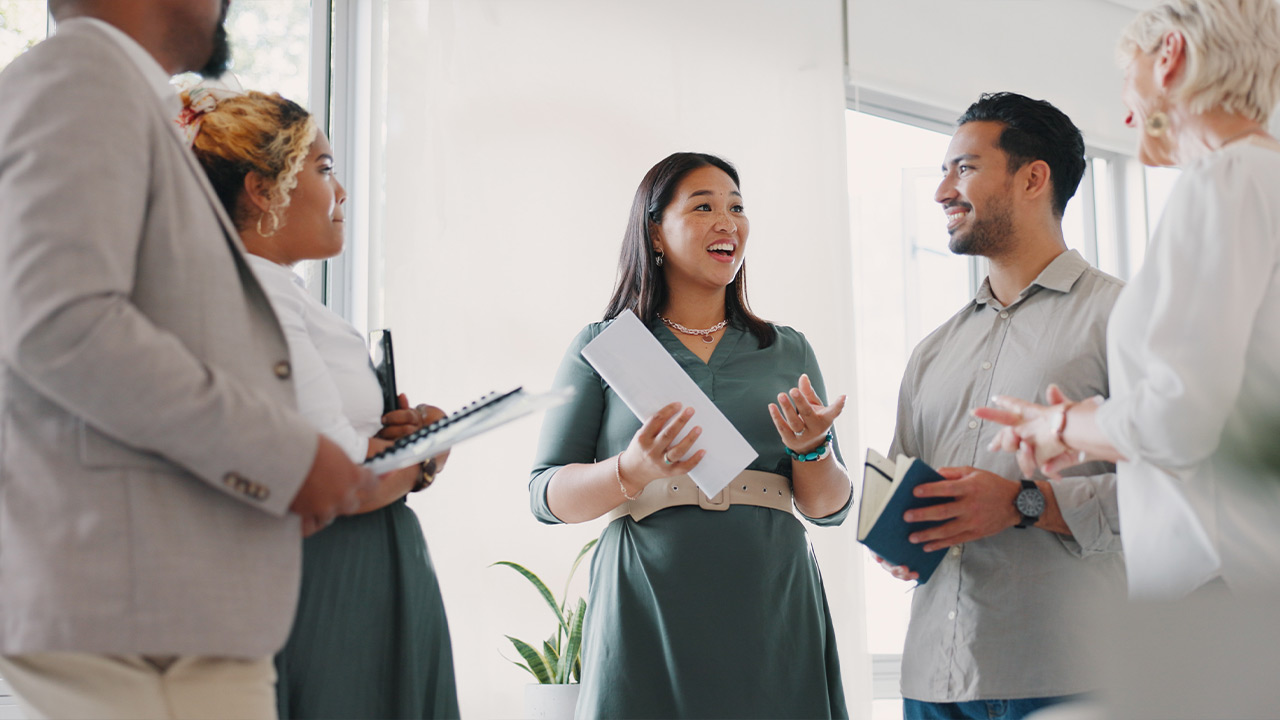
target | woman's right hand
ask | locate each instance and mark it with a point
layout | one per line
(653, 453)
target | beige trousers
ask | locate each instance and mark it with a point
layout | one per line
(58, 686)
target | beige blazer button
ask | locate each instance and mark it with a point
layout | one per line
(246, 487)
(283, 369)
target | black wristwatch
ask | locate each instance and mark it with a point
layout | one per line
(1029, 503)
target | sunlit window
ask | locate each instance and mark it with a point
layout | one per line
(23, 23)
(906, 283)
(271, 47)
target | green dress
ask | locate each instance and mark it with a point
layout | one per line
(695, 613)
(370, 638)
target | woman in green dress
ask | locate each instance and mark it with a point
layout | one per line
(699, 612)
(370, 638)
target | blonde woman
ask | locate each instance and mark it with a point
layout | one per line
(1194, 340)
(370, 638)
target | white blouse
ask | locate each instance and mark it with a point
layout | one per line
(1194, 354)
(332, 375)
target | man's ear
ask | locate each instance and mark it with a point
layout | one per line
(1035, 179)
(257, 192)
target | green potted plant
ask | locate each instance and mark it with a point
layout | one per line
(557, 666)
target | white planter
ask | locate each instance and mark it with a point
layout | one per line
(550, 702)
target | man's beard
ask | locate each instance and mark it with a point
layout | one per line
(220, 58)
(986, 237)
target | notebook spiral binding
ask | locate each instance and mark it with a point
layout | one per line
(476, 405)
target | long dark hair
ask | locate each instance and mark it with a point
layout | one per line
(641, 286)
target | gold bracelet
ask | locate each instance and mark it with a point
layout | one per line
(617, 472)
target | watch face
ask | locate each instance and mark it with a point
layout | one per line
(1030, 502)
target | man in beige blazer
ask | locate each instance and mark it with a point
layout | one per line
(155, 480)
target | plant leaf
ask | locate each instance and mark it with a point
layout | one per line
(542, 588)
(575, 642)
(522, 666)
(531, 656)
(576, 561)
(552, 657)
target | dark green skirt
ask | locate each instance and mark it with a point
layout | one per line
(708, 614)
(370, 639)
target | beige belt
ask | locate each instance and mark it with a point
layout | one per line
(750, 487)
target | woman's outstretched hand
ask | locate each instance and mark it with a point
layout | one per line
(1031, 431)
(654, 452)
(801, 418)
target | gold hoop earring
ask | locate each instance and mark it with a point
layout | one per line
(275, 225)
(1157, 124)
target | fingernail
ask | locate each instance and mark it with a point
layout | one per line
(915, 540)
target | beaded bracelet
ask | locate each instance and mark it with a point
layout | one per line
(815, 454)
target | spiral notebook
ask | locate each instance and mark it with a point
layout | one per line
(486, 413)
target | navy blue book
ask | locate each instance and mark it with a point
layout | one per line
(886, 495)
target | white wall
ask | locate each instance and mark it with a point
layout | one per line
(944, 53)
(516, 133)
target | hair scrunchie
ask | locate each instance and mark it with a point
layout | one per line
(201, 99)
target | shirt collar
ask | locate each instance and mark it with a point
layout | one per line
(1060, 275)
(155, 75)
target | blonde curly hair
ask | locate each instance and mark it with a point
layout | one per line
(253, 132)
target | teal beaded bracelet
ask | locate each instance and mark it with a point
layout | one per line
(816, 454)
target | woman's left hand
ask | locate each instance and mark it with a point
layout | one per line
(801, 418)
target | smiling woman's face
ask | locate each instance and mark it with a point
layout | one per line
(704, 230)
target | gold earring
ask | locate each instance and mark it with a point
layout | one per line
(275, 224)
(1157, 124)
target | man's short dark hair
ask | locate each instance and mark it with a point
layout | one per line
(1035, 130)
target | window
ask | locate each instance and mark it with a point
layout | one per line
(271, 48)
(906, 282)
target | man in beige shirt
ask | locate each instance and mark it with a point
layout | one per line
(995, 633)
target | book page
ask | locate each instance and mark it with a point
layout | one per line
(647, 378)
(878, 476)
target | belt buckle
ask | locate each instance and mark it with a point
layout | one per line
(719, 502)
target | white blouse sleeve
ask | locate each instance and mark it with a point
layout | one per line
(319, 400)
(1198, 297)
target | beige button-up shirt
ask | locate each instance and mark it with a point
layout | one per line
(1001, 617)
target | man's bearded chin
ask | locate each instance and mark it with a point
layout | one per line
(220, 59)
